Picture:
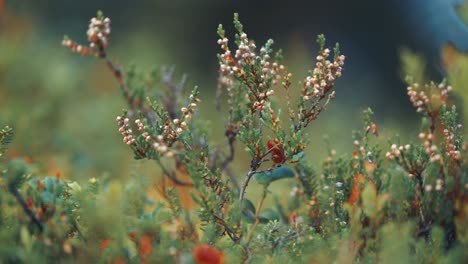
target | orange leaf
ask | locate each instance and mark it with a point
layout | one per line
(104, 244)
(146, 246)
(356, 190)
(205, 254)
(293, 219)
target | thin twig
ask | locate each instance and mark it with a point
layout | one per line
(75, 225)
(248, 255)
(28, 211)
(254, 165)
(231, 233)
(231, 134)
(311, 114)
(172, 176)
(131, 102)
(174, 90)
(245, 184)
(117, 72)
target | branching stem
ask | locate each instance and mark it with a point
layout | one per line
(28, 211)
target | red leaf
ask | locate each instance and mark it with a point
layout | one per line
(277, 151)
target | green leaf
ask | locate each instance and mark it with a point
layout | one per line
(277, 174)
(268, 215)
(248, 210)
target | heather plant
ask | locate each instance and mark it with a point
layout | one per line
(397, 202)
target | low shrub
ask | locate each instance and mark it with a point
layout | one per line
(398, 203)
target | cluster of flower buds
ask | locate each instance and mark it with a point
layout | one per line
(245, 51)
(450, 148)
(78, 48)
(173, 128)
(140, 125)
(429, 100)
(161, 143)
(125, 130)
(161, 147)
(141, 128)
(98, 32)
(418, 99)
(438, 187)
(372, 128)
(431, 149)
(361, 148)
(269, 69)
(188, 111)
(396, 151)
(259, 105)
(227, 59)
(232, 65)
(323, 76)
(98, 36)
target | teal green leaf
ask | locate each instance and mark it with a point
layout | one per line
(47, 196)
(297, 157)
(49, 183)
(277, 174)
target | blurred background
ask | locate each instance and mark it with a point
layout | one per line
(63, 106)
